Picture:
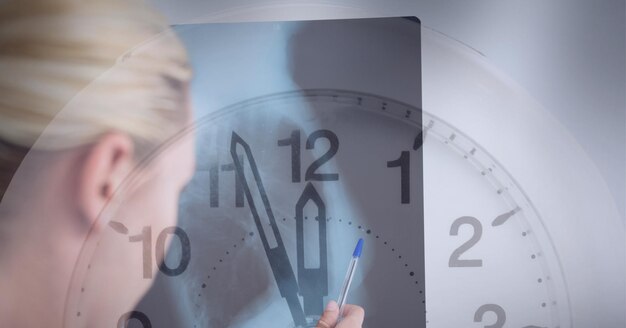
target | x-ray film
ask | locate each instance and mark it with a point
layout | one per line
(309, 137)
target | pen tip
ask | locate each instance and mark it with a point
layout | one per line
(358, 249)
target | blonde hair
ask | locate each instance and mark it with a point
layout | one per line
(89, 66)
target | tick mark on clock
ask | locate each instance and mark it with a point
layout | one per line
(118, 227)
(418, 141)
(503, 218)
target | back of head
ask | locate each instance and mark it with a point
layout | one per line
(73, 70)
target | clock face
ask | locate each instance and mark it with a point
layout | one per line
(285, 186)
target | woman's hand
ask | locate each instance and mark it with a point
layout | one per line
(352, 316)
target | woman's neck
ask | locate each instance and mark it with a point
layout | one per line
(35, 272)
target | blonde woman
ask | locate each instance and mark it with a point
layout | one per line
(87, 90)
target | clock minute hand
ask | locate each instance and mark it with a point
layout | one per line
(277, 256)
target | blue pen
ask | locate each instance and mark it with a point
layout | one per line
(343, 295)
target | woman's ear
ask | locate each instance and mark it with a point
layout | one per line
(105, 165)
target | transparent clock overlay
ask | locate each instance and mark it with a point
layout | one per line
(489, 261)
(228, 280)
(371, 130)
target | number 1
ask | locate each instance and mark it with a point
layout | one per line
(404, 162)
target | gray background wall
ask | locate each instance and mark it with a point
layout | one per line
(568, 54)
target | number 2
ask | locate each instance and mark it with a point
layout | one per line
(455, 260)
(332, 150)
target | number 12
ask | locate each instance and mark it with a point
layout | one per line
(311, 175)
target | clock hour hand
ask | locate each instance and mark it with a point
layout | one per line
(274, 246)
(313, 281)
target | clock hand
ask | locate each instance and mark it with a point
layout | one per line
(313, 282)
(277, 256)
